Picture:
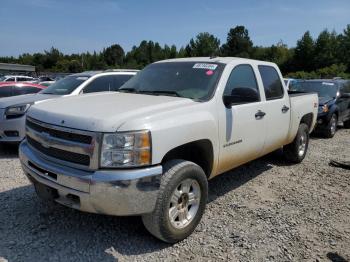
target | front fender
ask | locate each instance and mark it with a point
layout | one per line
(177, 127)
(333, 109)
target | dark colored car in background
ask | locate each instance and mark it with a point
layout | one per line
(15, 88)
(334, 103)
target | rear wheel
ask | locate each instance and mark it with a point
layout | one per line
(331, 128)
(295, 152)
(181, 202)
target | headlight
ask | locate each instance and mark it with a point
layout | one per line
(325, 108)
(17, 110)
(126, 149)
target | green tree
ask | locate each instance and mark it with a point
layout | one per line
(344, 47)
(205, 44)
(326, 49)
(304, 53)
(238, 43)
(114, 55)
(50, 58)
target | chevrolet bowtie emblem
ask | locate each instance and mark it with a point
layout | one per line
(45, 139)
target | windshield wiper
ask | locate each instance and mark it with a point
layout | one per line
(128, 90)
(161, 92)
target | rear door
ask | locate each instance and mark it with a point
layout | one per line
(242, 131)
(277, 108)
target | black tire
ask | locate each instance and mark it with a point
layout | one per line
(292, 151)
(347, 124)
(158, 222)
(329, 132)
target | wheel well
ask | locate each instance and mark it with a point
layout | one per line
(199, 152)
(336, 112)
(307, 119)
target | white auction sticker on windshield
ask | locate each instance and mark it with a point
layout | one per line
(327, 84)
(205, 66)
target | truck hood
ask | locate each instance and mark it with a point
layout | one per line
(103, 112)
(24, 99)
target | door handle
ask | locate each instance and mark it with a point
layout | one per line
(285, 109)
(259, 115)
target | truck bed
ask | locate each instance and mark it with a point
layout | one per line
(298, 93)
(300, 103)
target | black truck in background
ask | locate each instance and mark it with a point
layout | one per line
(334, 103)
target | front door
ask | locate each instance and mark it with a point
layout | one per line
(242, 126)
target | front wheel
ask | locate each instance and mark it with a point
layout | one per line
(331, 127)
(181, 202)
(296, 151)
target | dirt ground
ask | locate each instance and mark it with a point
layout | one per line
(266, 210)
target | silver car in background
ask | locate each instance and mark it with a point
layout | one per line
(13, 109)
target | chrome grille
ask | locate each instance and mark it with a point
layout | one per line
(71, 147)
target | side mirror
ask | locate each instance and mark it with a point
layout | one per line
(345, 95)
(241, 95)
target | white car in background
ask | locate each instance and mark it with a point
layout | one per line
(13, 109)
(15, 78)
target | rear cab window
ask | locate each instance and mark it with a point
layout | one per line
(272, 82)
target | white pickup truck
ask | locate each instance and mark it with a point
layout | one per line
(150, 148)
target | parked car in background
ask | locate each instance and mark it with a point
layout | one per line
(150, 148)
(13, 109)
(14, 78)
(8, 89)
(45, 78)
(334, 103)
(46, 83)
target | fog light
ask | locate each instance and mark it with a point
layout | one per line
(11, 133)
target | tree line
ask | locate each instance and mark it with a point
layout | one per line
(326, 56)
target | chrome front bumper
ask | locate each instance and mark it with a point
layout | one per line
(110, 192)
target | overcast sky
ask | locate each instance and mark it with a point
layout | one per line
(87, 25)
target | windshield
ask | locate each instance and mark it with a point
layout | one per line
(2, 78)
(323, 89)
(183, 79)
(65, 86)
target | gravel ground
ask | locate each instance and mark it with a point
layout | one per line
(266, 210)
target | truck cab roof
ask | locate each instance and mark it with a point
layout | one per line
(217, 59)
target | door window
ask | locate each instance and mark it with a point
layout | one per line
(25, 90)
(100, 84)
(106, 83)
(242, 79)
(120, 80)
(272, 83)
